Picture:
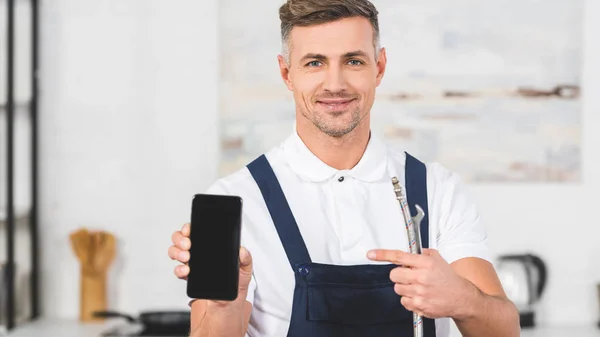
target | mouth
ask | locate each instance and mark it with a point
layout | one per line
(335, 104)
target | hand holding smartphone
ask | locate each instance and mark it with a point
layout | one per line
(215, 235)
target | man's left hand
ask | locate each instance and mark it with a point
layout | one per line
(427, 283)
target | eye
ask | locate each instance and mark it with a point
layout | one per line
(313, 63)
(355, 62)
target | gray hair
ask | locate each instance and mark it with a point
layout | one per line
(305, 13)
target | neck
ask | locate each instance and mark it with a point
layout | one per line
(342, 153)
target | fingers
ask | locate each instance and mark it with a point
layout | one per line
(403, 275)
(432, 253)
(181, 241)
(404, 290)
(180, 255)
(429, 252)
(174, 252)
(413, 304)
(245, 259)
(182, 271)
(180, 251)
(396, 256)
(410, 290)
(186, 230)
(176, 237)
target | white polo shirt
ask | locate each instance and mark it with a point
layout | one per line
(341, 220)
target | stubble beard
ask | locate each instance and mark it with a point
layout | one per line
(334, 130)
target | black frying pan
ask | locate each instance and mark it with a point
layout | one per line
(156, 323)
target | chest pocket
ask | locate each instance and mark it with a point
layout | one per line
(353, 295)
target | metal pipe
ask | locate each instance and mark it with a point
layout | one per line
(34, 218)
(10, 211)
(414, 244)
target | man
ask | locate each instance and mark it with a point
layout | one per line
(326, 234)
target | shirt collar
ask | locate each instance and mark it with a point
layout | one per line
(371, 167)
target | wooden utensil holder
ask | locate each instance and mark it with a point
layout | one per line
(95, 251)
(92, 295)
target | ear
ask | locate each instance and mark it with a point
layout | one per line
(284, 70)
(381, 64)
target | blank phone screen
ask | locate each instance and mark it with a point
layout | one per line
(214, 254)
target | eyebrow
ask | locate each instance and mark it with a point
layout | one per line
(355, 53)
(322, 57)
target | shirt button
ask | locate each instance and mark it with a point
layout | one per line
(340, 179)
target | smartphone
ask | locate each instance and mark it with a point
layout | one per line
(215, 234)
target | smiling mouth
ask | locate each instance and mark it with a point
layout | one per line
(335, 104)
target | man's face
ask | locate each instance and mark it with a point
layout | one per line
(333, 73)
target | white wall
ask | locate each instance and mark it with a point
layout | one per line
(129, 133)
(558, 222)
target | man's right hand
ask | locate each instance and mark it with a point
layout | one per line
(207, 316)
(180, 251)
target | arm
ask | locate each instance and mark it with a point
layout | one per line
(226, 318)
(467, 291)
(486, 310)
(212, 319)
(466, 288)
(216, 318)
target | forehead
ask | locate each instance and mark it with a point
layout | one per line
(333, 38)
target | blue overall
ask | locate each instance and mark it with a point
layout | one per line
(338, 300)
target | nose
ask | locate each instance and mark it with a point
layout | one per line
(335, 80)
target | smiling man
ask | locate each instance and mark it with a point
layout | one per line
(325, 231)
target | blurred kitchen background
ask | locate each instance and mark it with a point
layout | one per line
(141, 104)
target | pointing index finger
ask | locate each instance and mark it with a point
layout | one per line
(395, 256)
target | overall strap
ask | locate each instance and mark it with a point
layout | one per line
(280, 211)
(416, 190)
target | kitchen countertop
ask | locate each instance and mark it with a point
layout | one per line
(67, 328)
(57, 327)
(562, 331)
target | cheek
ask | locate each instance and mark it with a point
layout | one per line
(363, 84)
(306, 85)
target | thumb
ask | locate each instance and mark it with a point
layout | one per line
(245, 260)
